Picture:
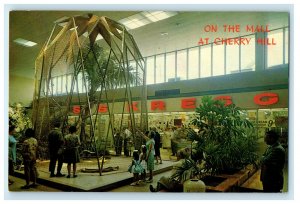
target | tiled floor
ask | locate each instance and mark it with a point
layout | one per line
(93, 181)
(18, 183)
(113, 181)
(144, 187)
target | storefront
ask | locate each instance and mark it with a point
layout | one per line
(265, 109)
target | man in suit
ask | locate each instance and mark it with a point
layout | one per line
(272, 164)
(55, 145)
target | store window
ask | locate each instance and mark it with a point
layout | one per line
(205, 63)
(170, 66)
(79, 84)
(87, 85)
(275, 51)
(69, 83)
(193, 63)
(182, 64)
(160, 69)
(64, 84)
(232, 59)
(133, 71)
(218, 60)
(248, 55)
(54, 85)
(286, 46)
(46, 87)
(59, 85)
(275, 119)
(150, 70)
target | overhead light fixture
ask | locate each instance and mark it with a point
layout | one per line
(58, 21)
(25, 43)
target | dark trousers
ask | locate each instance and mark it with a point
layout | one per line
(30, 171)
(118, 146)
(126, 150)
(53, 158)
(173, 147)
(11, 169)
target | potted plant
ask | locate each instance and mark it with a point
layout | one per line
(223, 144)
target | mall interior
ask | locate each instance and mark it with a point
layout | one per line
(239, 57)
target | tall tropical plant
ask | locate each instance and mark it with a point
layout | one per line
(222, 144)
(101, 68)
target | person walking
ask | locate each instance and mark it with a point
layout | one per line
(127, 137)
(29, 150)
(150, 156)
(118, 143)
(174, 141)
(272, 164)
(157, 146)
(71, 155)
(55, 146)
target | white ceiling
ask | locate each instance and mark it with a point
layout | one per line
(184, 30)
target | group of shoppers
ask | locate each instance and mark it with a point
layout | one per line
(124, 140)
(149, 152)
(63, 150)
(29, 155)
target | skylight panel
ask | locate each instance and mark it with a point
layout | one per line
(145, 18)
(155, 16)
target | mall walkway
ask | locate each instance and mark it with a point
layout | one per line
(114, 181)
(92, 181)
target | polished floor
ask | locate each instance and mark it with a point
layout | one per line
(92, 181)
(112, 181)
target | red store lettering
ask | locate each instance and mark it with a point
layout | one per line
(262, 99)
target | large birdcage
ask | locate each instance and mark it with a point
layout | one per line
(90, 68)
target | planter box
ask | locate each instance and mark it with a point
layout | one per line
(228, 182)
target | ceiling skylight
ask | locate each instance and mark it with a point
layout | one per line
(146, 17)
(25, 43)
(134, 21)
(158, 15)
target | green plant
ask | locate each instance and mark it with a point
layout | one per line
(102, 71)
(19, 117)
(222, 144)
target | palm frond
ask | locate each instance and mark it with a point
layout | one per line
(187, 170)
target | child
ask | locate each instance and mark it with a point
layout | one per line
(136, 168)
(143, 162)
